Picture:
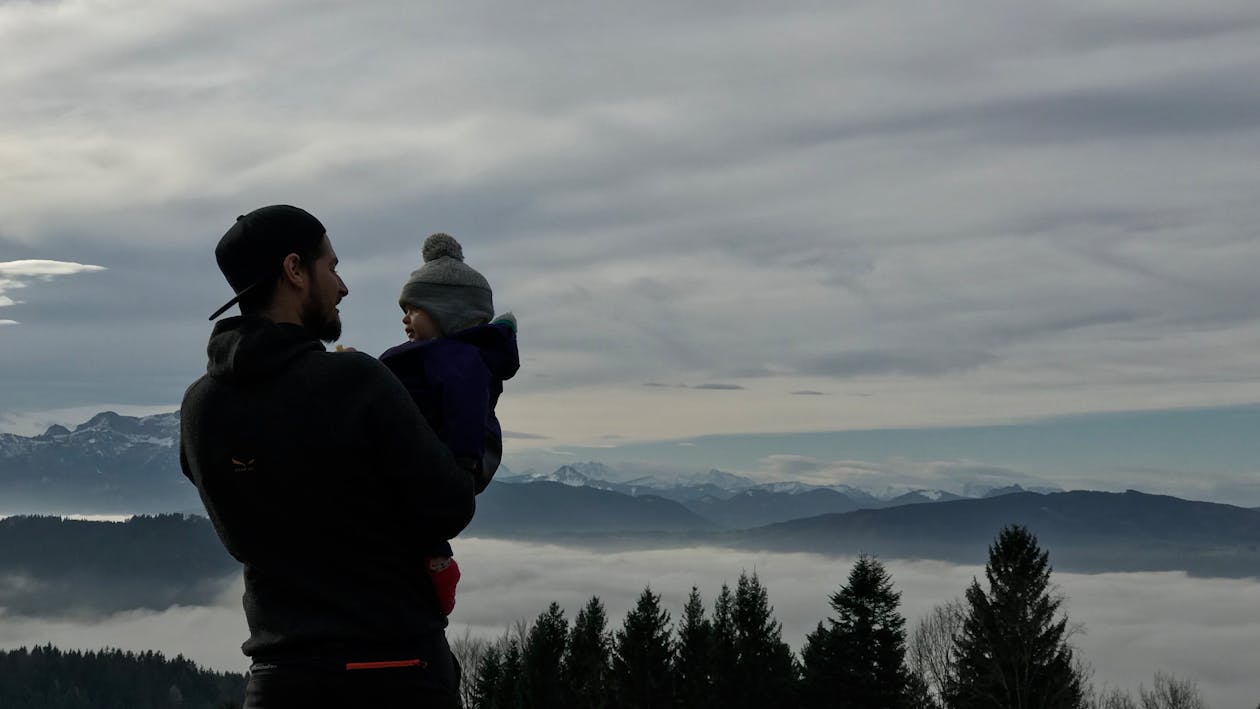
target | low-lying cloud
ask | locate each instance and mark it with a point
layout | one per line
(960, 477)
(1134, 624)
(522, 436)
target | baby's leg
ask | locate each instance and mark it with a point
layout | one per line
(444, 573)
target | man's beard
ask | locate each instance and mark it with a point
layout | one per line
(324, 325)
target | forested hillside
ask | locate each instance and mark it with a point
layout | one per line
(49, 678)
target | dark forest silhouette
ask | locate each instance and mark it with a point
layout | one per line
(48, 678)
(1006, 644)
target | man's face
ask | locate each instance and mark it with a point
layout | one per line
(319, 312)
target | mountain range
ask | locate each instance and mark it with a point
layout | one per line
(124, 465)
(113, 464)
(732, 501)
(110, 464)
(1085, 530)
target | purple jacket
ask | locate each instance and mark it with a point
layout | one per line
(456, 381)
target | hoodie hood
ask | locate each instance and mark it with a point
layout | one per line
(497, 344)
(250, 347)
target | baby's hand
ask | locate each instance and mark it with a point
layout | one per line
(343, 348)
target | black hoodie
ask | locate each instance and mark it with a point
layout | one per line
(322, 477)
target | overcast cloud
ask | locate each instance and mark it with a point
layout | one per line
(961, 213)
(941, 216)
(1135, 624)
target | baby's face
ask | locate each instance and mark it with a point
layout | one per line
(418, 325)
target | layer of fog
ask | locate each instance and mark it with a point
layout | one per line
(1134, 624)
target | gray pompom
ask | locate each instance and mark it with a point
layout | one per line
(439, 245)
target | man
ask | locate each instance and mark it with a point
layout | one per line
(321, 476)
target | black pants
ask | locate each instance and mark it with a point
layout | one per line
(316, 683)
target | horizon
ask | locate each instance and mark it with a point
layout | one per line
(1205, 454)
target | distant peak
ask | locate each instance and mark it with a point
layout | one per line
(56, 430)
(103, 419)
(143, 425)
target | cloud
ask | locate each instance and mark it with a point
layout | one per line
(1134, 624)
(1125, 641)
(524, 436)
(648, 221)
(16, 274)
(791, 466)
(39, 268)
(807, 392)
(208, 635)
(719, 387)
(929, 362)
(894, 475)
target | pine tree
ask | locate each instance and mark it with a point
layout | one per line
(765, 670)
(486, 680)
(643, 657)
(820, 660)
(586, 668)
(1012, 652)
(510, 691)
(725, 658)
(540, 658)
(859, 660)
(693, 663)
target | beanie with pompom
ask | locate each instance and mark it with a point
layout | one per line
(450, 291)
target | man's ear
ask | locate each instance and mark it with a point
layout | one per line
(292, 272)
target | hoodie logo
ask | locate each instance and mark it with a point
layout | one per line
(243, 466)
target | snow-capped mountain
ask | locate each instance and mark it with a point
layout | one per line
(114, 464)
(110, 463)
(565, 474)
(799, 488)
(105, 436)
(718, 478)
(709, 489)
(676, 487)
(918, 497)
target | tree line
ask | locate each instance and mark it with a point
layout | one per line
(45, 677)
(1005, 645)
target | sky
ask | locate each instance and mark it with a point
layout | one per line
(710, 218)
(1129, 625)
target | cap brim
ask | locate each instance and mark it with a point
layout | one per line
(226, 305)
(234, 300)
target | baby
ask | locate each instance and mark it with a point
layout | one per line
(454, 365)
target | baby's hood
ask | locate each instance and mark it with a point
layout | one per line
(497, 344)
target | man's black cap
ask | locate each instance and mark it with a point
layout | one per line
(253, 249)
